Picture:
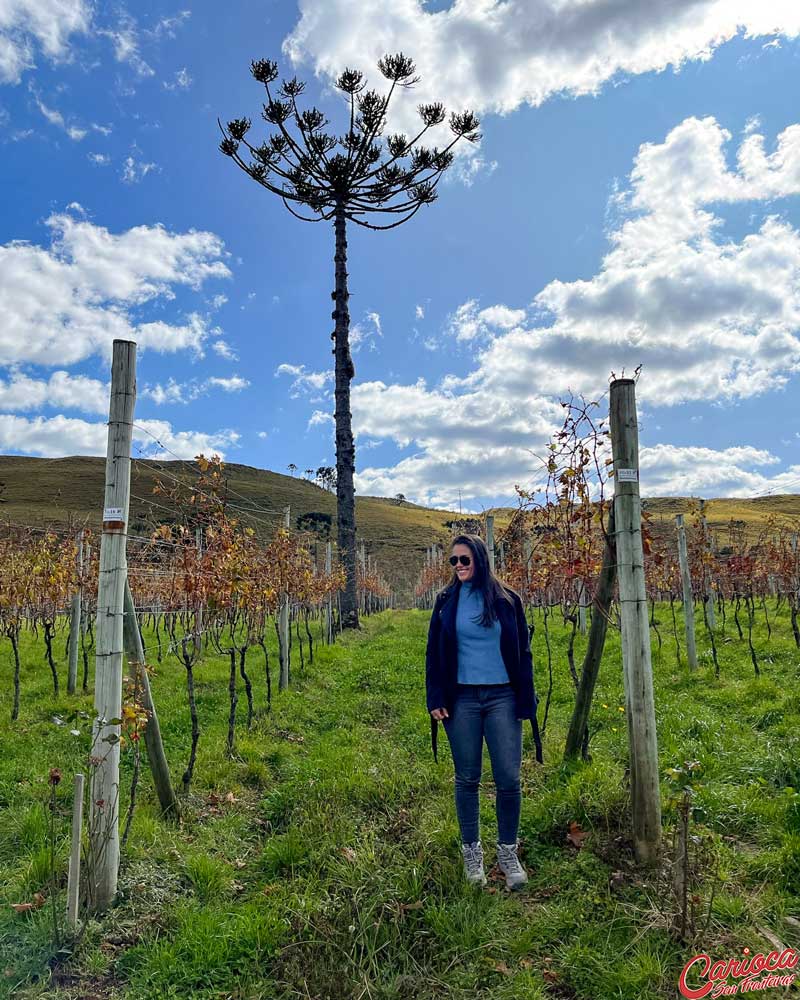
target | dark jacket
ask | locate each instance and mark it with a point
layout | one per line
(441, 658)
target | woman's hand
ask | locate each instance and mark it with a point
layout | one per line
(439, 714)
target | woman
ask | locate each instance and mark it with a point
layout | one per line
(479, 680)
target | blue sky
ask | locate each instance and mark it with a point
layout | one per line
(634, 200)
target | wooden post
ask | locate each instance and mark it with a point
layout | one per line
(708, 590)
(363, 563)
(104, 784)
(688, 601)
(75, 622)
(636, 663)
(74, 874)
(490, 539)
(283, 626)
(198, 614)
(329, 607)
(156, 757)
(581, 607)
(527, 549)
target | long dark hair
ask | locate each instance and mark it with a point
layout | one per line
(483, 579)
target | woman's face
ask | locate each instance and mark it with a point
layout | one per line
(464, 572)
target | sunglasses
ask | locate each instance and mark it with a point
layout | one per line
(464, 560)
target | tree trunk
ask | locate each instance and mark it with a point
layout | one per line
(345, 450)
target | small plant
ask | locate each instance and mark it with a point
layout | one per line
(690, 852)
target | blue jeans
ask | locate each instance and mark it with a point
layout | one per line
(486, 710)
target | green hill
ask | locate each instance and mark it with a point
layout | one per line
(40, 491)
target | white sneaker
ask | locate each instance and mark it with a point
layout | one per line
(510, 866)
(473, 863)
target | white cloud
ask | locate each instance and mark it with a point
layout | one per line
(469, 166)
(57, 119)
(134, 171)
(30, 25)
(187, 392)
(304, 382)
(361, 334)
(233, 384)
(172, 392)
(167, 27)
(72, 392)
(419, 312)
(319, 417)
(59, 436)
(99, 159)
(126, 46)
(469, 323)
(181, 81)
(224, 350)
(494, 55)
(66, 303)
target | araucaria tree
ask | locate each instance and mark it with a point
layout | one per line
(357, 177)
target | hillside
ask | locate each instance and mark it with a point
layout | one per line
(41, 491)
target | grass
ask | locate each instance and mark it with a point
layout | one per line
(322, 860)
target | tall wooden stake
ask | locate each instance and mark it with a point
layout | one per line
(688, 600)
(636, 663)
(74, 873)
(283, 626)
(104, 785)
(490, 539)
(329, 606)
(198, 619)
(75, 623)
(708, 590)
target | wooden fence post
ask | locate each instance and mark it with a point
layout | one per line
(490, 539)
(688, 600)
(329, 606)
(636, 663)
(708, 590)
(198, 620)
(527, 549)
(581, 607)
(104, 784)
(283, 626)
(75, 622)
(74, 873)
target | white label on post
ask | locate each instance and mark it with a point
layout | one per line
(112, 514)
(627, 475)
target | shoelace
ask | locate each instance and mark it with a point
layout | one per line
(473, 860)
(508, 855)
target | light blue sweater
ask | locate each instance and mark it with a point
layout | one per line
(479, 657)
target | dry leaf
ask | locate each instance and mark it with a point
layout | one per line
(412, 906)
(349, 853)
(23, 907)
(230, 798)
(576, 835)
(502, 967)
